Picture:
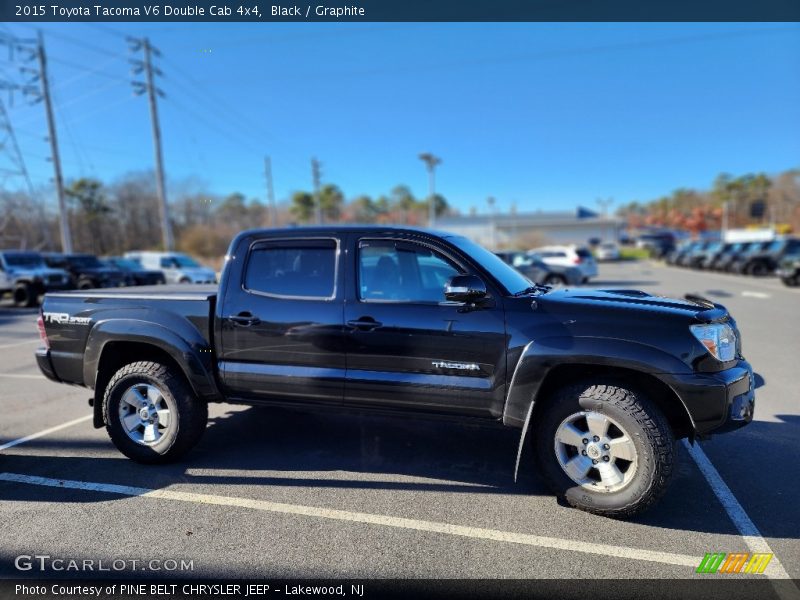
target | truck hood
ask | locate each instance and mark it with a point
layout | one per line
(694, 308)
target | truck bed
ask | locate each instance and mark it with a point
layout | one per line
(184, 310)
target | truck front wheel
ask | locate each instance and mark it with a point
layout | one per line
(151, 413)
(606, 449)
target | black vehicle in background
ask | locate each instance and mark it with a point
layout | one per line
(599, 383)
(86, 270)
(744, 262)
(135, 274)
(659, 245)
(767, 260)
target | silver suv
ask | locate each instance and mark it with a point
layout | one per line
(25, 275)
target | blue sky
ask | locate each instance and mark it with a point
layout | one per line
(544, 115)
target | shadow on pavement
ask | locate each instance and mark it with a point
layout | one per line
(459, 458)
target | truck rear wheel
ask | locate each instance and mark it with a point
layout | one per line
(606, 449)
(151, 413)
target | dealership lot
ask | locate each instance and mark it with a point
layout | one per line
(278, 493)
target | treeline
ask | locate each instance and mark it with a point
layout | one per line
(123, 215)
(753, 199)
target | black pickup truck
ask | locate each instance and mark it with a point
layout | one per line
(413, 323)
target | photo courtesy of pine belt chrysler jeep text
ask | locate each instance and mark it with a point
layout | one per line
(601, 383)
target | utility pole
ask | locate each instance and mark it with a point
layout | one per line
(273, 211)
(149, 86)
(315, 176)
(66, 235)
(431, 162)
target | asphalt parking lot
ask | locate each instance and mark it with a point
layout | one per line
(282, 494)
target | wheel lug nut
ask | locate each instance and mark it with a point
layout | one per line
(585, 441)
(594, 461)
(606, 459)
(596, 439)
(606, 446)
(584, 452)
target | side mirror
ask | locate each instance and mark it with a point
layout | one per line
(464, 288)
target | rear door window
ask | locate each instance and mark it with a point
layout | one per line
(293, 269)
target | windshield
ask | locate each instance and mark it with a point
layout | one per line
(184, 261)
(126, 264)
(776, 246)
(27, 260)
(511, 279)
(85, 262)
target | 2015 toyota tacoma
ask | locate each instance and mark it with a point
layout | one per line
(600, 383)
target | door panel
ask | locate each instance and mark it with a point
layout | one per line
(282, 324)
(408, 347)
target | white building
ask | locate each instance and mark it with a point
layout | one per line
(511, 230)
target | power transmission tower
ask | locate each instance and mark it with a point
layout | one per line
(605, 204)
(149, 86)
(431, 162)
(9, 149)
(315, 176)
(33, 49)
(273, 211)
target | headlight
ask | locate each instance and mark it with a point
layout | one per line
(718, 338)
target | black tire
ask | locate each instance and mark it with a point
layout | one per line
(759, 269)
(192, 414)
(25, 295)
(185, 280)
(585, 280)
(792, 281)
(644, 423)
(85, 284)
(554, 279)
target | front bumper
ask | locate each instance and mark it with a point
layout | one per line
(717, 402)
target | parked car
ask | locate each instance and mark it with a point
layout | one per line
(730, 255)
(694, 256)
(658, 245)
(600, 383)
(607, 251)
(789, 269)
(135, 274)
(569, 256)
(535, 269)
(176, 267)
(25, 276)
(86, 271)
(710, 255)
(744, 261)
(765, 261)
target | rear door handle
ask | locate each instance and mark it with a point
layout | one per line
(244, 319)
(364, 324)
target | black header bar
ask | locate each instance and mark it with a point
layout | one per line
(256, 11)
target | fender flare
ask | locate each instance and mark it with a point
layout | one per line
(539, 357)
(183, 343)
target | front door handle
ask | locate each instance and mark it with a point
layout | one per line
(364, 324)
(244, 319)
